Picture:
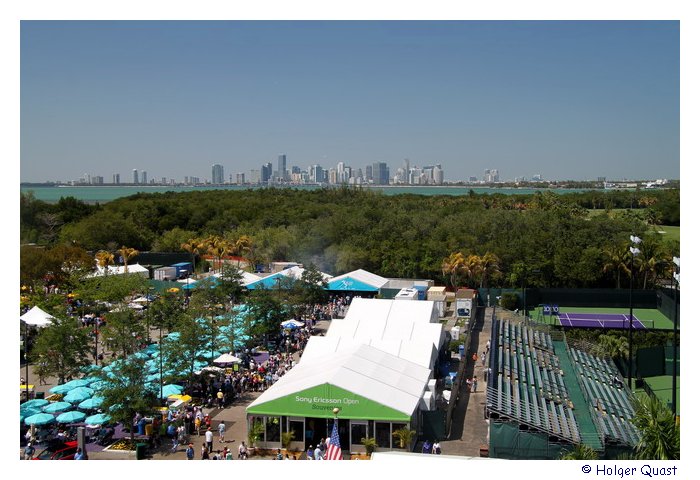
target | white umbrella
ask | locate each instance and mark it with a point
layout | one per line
(292, 323)
(227, 358)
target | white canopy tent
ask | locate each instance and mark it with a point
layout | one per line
(118, 270)
(37, 317)
(227, 358)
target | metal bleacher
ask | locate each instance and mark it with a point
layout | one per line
(529, 388)
(608, 397)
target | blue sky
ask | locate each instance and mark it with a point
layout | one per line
(568, 100)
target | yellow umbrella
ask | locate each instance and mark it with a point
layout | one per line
(24, 287)
(23, 299)
(173, 290)
(70, 295)
(184, 398)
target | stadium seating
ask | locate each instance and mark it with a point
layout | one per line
(607, 396)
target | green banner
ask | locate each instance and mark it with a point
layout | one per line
(320, 401)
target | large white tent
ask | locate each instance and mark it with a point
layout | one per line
(363, 370)
(37, 317)
(408, 330)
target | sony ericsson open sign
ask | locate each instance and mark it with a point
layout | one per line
(321, 403)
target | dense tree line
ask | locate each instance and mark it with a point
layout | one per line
(395, 236)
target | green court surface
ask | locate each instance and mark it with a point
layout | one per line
(662, 388)
(650, 317)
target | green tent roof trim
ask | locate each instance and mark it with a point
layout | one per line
(320, 401)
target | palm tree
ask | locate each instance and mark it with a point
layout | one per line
(648, 260)
(404, 435)
(242, 246)
(491, 268)
(613, 346)
(127, 254)
(104, 259)
(474, 269)
(220, 247)
(580, 452)
(454, 266)
(660, 434)
(617, 259)
(192, 247)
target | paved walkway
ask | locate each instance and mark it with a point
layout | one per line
(469, 428)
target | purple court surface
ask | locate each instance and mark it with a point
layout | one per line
(599, 320)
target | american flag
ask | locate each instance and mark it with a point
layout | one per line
(333, 451)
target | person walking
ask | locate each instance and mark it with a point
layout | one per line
(474, 384)
(437, 450)
(483, 359)
(310, 453)
(222, 431)
(29, 451)
(242, 451)
(189, 453)
(205, 452)
(209, 439)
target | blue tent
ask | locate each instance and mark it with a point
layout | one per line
(350, 284)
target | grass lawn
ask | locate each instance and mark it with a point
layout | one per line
(670, 233)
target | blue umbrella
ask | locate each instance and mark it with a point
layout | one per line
(70, 417)
(77, 383)
(57, 407)
(101, 385)
(153, 378)
(61, 389)
(98, 419)
(27, 412)
(91, 380)
(171, 389)
(77, 395)
(36, 403)
(91, 403)
(39, 419)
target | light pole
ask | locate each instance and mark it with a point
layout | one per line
(677, 278)
(160, 357)
(26, 361)
(634, 251)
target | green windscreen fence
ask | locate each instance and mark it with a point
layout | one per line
(433, 425)
(507, 441)
(578, 297)
(666, 303)
(651, 362)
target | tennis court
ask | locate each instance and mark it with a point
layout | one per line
(662, 387)
(648, 318)
(599, 320)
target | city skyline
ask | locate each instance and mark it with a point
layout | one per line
(567, 100)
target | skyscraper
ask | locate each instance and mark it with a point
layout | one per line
(136, 176)
(143, 177)
(380, 173)
(282, 167)
(266, 172)
(115, 178)
(217, 174)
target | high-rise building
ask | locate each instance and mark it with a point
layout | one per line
(438, 175)
(144, 177)
(491, 175)
(380, 173)
(136, 176)
(317, 174)
(266, 172)
(115, 178)
(282, 167)
(254, 176)
(217, 174)
(368, 173)
(240, 178)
